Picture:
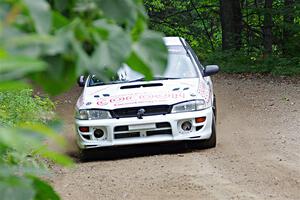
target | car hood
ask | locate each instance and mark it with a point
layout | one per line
(136, 94)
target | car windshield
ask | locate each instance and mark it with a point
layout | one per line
(179, 66)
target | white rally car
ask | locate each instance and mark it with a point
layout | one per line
(178, 105)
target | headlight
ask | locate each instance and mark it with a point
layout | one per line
(189, 106)
(92, 114)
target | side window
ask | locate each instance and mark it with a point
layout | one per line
(196, 58)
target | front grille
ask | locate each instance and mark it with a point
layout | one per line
(161, 128)
(163, 125)
(121, 128)
(149, 110)
(198, 128)
(87, 137)
(127, 135)
(158, 125)
(159, 132)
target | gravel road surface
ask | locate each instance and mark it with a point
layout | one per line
(257, 155)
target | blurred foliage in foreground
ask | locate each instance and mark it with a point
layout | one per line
(51, 43)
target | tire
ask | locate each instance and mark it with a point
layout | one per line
(208, 143)
(87, 154)
(212, 141)
(215, 107)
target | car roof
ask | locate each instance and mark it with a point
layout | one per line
(174, 41)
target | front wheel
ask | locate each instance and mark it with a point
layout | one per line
(212, 141)
(88, 154)
(208, 143)
(215, 107)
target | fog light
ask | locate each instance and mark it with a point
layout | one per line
(200, 119)
(186, 126)
(84, 129)
(98, 133)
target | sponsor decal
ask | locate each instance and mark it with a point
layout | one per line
(137, 98)
(187, 83)
(102, 102)
(204, 91)
(80, 101)
(101, 89)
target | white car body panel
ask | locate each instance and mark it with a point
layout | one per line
(174, 119)
(186, 89)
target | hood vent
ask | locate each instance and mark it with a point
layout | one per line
(141, 85)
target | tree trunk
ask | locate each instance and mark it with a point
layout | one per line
(267, 29)
(288, 19)
(231, 21)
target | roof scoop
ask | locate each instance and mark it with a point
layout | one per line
(141, 85)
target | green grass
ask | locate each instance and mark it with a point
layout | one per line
(21, 106)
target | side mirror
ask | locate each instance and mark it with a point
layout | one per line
(211, 70)
(81, 81)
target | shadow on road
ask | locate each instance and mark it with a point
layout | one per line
(125, 152)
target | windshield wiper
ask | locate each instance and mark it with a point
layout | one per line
(154, 79)
(164, 78)
(136, 80)
(106, 83)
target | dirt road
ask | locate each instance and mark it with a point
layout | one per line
(257, 156)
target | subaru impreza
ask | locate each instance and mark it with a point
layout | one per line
(176, 105)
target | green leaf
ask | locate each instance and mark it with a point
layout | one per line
(45, 131)
(138, 29)
(16, 188)
(142, 13)
(13, 85)
(122, 11)
(16, 139)
(149, 55)
(30, 142)
(138, 65)
(7, 170)
(41, 14)
(43, 190)
(83, 60)
(58, 20)
(26, 39)
(55, 156)
(62, 5)
(18, 66)
(61, 76)
(110, 52)
(35, 45)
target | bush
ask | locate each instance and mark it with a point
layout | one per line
(21, 106)
(240, 62)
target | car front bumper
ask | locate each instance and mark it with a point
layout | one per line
(150, 129)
